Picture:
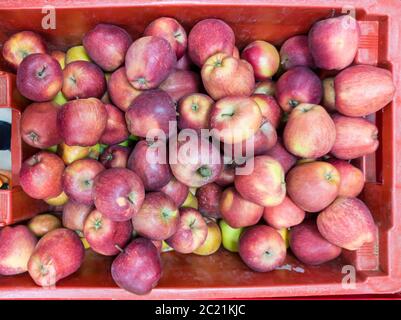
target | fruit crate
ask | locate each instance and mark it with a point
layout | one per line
(223, 275)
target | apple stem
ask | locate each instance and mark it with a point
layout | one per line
(33, 136)
(119, 248)
(132, 197)
(293, 103)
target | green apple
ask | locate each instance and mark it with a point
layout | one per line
(60, 99)
(230, 236)
(96, 150)
(191, 201)
(52, 149)
(77, 53)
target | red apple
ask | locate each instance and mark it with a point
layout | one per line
(285, 215)
(181, 83)
(74, 216)
(115, 156)
(176, 190)
(184, 63)
(59, 56)
(295, 52)
(43, 223)
(280, 153)
(352, 179)
(116, 128)
(213, 239)
(267, 87)
(329, 96)
(208, 199)
(227, 175)
(269, 108)
(347, 223)
(194, 110)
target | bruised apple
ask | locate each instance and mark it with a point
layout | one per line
(208, 199)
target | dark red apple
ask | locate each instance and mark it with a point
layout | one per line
(280, 153)
(184, 63)
(295, 52)
(115, 156)
(181, 83)
(116, 128)
(227, 175)
(208, 199)
(285, 215)
(74, 216)
(176, 190)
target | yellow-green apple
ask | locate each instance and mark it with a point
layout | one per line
(20, 45)
(295, 52)
(149, 61)
(284, 232)
(39, 125)
(263, 57)
(362, 89)
(329, 95)
(347, 223)
(59, 200)
(137, 275)
(39, 77)
(355, 137)
(352, 179)
(340, 45)
(191, 231)
(308, 245)
(59, 56)
(309, 132)
(262, 248)
(41, 175)
(265, 184)
(69, 154)
(176, 190)
(105, 236)
(158, 217)
(194, 110)
(190, 201)
(171, 30)
(269, 108)
(181, 83)
(230, 236)
(227, 175)
(313, 185)
(208, 199)
(184, 63)
(76, 53)
(74, 216)
(267, 87)
(116, 128)
(59, 99)
(298, 85)
(115, 156)
(16, 246)
(209, 37)
(106, 45)
(57, 255)
(43, 223)
(213, 239)
(224, 76)
(280, 153)
(285, 215)
(118, 193)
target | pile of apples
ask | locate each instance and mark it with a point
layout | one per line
(100, 102)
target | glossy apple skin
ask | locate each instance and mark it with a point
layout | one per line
(226, 176)
(298, 85)
(281, 154)
(39, 77)
(82, 122)
(107, 45)
(149, 61)
(263, 57)
(57, 255)
(309, 132)
(181, 83)
(191, 232)
(267, 87)
(41, 175)
(308, 245)
(78, 179)
(194, 110)
(213, 239)
(74, 216)
(138, 276)
(340, 45)
(235, 119)
(295, 52)
(265, 185)
(104, 235)
(352, 180)
(237, 211)
(151, 110)
(20, 45)
(361, 90)
(115, 156)
(39, 125)
(43, 223)
(116, 128)
(313, 185)
(224, 76)
(176, 190)
(269, 108)
(262, 248)
(16, 246)
(329, 95)
(285, 215)
(208, 199)
(118, 193)
(171, 30)
(355, 137)
(230, 236)
(347, 223)
(209, 37)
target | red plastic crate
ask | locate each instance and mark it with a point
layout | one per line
(223, 275)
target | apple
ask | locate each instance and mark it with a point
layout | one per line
(16, 246)
(213, 239)
(313, 185)
(106, 236)
(263, 57)
(194, 110)
(176, 190)
(280, 153)
(184, 63)
(224, 76)
(107, 44)
(208, 199)
(285, 215)
(138, 267)
(235, 119)
(309, 132)
(171, 30)
(361, 90)
(59, 56)
(57, 255)
(265, 185)
(262, 248)
(20, 45)
(43, 223)
(41, 175)
(116, 128)
(352, 179)
(298, 85)
(181, 83)
(208, 37)
(74, 216)
(237, 211)
(39, 125)
(149, 61)
(82, 121)
(158, 217)
(115, 156)
(295, 52)
(267, 87)
(355, 137)
(340, 45)
(118, 193)
(69, 154)
(329, 96)
(308, 245)
(76, 53)
(230, 236)
(284, 232)
(347, 223)
(227, 175)
(39, 77)
(269, 108)
(59, 200)
(191, 232)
